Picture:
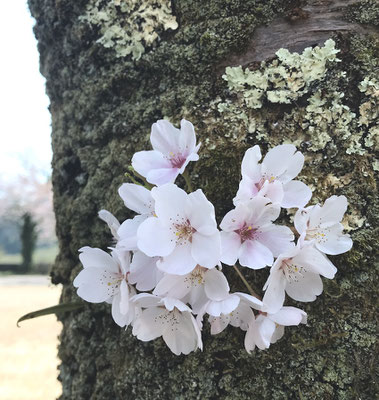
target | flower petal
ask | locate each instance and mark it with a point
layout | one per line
(305, 289)
(96, 285)
(155, 239)
(179, 262)
(288, 316)
(97, 258)
(145, 161)
(255, 255)
(278, 239)
(273, 299)
(201, 213)
(137, 198)
(250, 166)
(216, 285)
(165, 137)
(170, 203)
(230, 245)
(296, 194)
(206, 250)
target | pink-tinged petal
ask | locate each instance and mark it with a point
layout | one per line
(196, 298)
(334, 242)
(226, 306)
(201, 213)
(255, 255)
(182, 337)
(97, 258)
(273, 191)
(278, 239)
(137, 198)
(266, 329)
(218, 324)
(306, 288)
(206, 250)
(118, 317)
(124, 297)
(250, 166)
(170, 203)
(147, 300)
(96, 285)
(216, 285)
(332, 211)
(288, 316)
(187, 138)
(170, 303)
(250, 336)
(316, 262)
(301, 219)
(144, 272)
(277, 160)
(145, 161)
(278, 333)
(273, 299)
(241, 316)
(155, 239)
(165, 137)
(235, 219)
(230, 245)
(293, 169)
(127, 233)
(111, 221)
(250, 300)
(247, 190)
(161, 176)
(179, 262)
(173, 286)
(296, 194)
(147, 326)
(262, 213)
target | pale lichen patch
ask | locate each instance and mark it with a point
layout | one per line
(129, 26)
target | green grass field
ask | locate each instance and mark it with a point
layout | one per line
(40, 256)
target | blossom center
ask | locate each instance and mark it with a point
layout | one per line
(196, 277)
(262, 181)
(247, 232)
(184, 232)
(292, 271)
(320, 235)
(177, 160)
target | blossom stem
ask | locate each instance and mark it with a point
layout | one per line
(246, 283)
(187, 180)
(143, 179)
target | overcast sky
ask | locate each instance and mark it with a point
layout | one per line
(24, 117)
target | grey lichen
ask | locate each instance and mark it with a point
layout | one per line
(129, 26)
(284, 80)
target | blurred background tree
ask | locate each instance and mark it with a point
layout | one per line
(28, 237)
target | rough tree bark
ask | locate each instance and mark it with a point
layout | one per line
(102, 108)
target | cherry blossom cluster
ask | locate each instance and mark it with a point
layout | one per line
(164, 274)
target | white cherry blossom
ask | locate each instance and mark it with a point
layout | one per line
(297, 273)
(321, 224)
(169, 318)
(111, 221)
(195, 288)
(250, 236)
(105, 278)
(184, 232)
(138, 199)
(239, 317)
(144, 272)
(173, 150)
(268, 328)
(273, 178)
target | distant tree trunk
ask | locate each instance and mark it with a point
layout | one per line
(102, 109)
(28, 237)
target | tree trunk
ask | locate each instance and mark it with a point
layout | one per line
(103, 104)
